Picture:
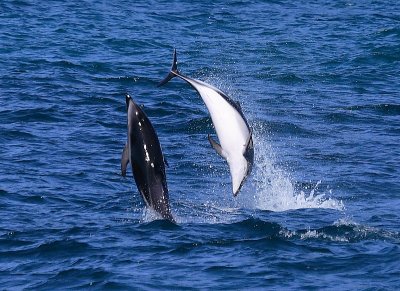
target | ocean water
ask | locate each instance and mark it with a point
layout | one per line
(319, 83)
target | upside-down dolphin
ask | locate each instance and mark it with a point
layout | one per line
(143, 152)
(231, 126)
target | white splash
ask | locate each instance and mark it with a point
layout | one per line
(150, 215)
(275, 190)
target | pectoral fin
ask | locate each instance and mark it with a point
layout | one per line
(124, 160)
(166, 162)
(217, 147)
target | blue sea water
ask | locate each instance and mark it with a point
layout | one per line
(319, 84)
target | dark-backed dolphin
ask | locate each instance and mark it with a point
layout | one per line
(143, 152)
(231, 126)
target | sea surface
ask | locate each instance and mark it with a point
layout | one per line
(319, 82)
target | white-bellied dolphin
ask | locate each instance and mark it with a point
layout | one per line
(143, 152)
(232, 129)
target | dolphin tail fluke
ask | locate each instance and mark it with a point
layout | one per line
(124, 160)
(173, 73)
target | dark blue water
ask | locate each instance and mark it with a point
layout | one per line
(319, 83)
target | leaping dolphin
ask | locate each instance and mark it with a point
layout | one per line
(232, 129)
(143, 152)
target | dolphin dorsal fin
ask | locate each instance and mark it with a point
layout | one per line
(250, 139)
(124, 160)
(217, 147)
(249, 143)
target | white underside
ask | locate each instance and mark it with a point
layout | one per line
(231, 129)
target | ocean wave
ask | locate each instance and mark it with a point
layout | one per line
(45, 114)
(380, 109)
(49, 249)
(345, 231)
